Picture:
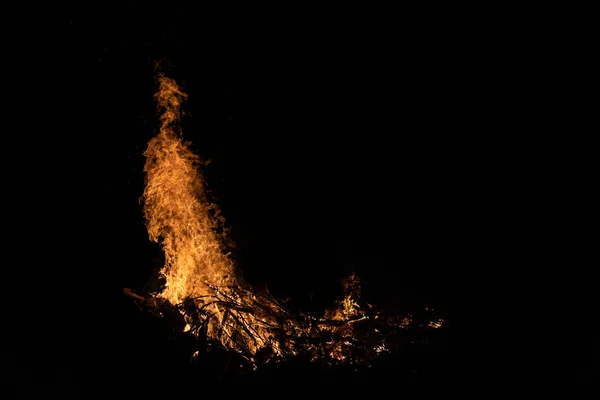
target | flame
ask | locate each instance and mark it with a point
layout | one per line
(193, 238)
(349, 307)
(177, 211)
(200, 276)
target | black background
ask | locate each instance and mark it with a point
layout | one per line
(393, 142)
(334, 146)
(339, 140)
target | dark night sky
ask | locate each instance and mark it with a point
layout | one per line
(337, 142)
(388, 141)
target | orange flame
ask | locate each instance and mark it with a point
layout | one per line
(191, 231)
(177, 211)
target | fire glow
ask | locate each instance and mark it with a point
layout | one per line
(200, 275)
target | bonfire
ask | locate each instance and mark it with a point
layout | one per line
(201, 285)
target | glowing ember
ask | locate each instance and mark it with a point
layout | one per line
(436, 324)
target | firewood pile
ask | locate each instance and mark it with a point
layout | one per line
(261, 330)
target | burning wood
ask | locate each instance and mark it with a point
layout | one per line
(261, 329)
